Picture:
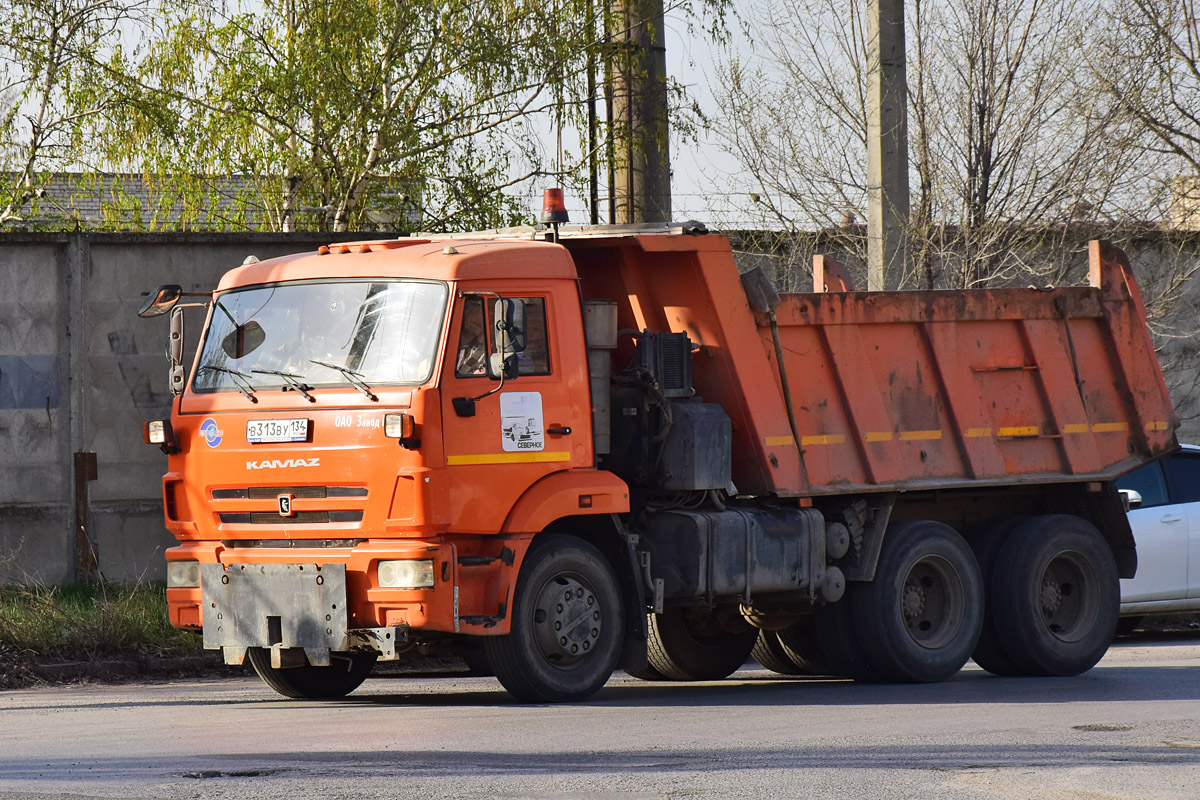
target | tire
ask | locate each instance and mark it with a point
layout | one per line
(804, 649)
(921, 616)
(770, 653)
(989, 652)
(646, 673)
(1056, 596)
(567, 624)
(343, 676)
(689, 644)
(835, 633)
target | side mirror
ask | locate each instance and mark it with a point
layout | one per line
(509, 326)
(1132, 498)
(161, 301)
(499, 365)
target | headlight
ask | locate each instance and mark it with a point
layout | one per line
(183, 574)
(405, 574)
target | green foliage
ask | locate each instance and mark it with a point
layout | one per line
(331, 111)
(52, 87)
(290, 114)
(82, 622)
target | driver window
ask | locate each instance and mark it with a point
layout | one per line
(475, 340)
(472, 341)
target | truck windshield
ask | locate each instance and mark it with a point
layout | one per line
(369, 332)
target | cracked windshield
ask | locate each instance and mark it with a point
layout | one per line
(326, 333)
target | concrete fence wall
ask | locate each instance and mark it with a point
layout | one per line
(80, 373)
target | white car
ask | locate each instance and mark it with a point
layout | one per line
(1164, 512)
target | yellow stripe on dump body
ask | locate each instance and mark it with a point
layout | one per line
(833, 438)
(1018, 430)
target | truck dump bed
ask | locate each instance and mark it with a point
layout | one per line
(904, 390)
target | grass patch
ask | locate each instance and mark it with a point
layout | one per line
(89, 622)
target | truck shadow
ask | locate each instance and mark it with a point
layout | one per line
(758, 687)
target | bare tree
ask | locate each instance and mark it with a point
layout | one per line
(50, 87)
(1008, 147)
(1149, 66)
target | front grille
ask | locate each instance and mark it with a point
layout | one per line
(333, 511)
(300, 517)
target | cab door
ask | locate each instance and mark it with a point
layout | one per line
(501, 439)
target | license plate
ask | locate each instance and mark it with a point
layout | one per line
(259, 431)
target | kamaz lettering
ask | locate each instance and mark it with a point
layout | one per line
(277, 463)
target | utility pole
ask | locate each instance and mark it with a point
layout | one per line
(887, 145)
(642, 160)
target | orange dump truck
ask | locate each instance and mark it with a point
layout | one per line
(557, 454)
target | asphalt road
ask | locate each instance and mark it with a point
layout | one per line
(1128, 729)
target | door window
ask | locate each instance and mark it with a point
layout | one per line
(1148, 482)
(476, 341)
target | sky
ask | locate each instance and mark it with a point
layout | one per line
(700, 180)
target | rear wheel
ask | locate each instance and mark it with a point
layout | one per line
(692, 644)
(804, 649)
(770, 652)
(835, 634)
(340, 678)
(920, 618)
(567, 626)
(1056, 596)
(989, 650)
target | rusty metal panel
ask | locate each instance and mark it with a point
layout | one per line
(904, 390)
(275, 605)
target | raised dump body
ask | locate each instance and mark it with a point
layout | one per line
(896, 391)
(556, 457)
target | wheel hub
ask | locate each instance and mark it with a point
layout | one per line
(567, 620)
(1051, 597)
(931, 602)
(914, 601)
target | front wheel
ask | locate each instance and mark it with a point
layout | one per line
(306, 682)
(567, 624)
(1056, 596)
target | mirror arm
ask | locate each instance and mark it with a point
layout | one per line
(465, 406)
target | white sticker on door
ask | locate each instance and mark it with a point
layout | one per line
(521, 421)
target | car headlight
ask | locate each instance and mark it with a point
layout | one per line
(183, 574)
(405, 574)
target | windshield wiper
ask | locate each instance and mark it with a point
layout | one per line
(352, 376)
(240, 379)
(292, 382)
